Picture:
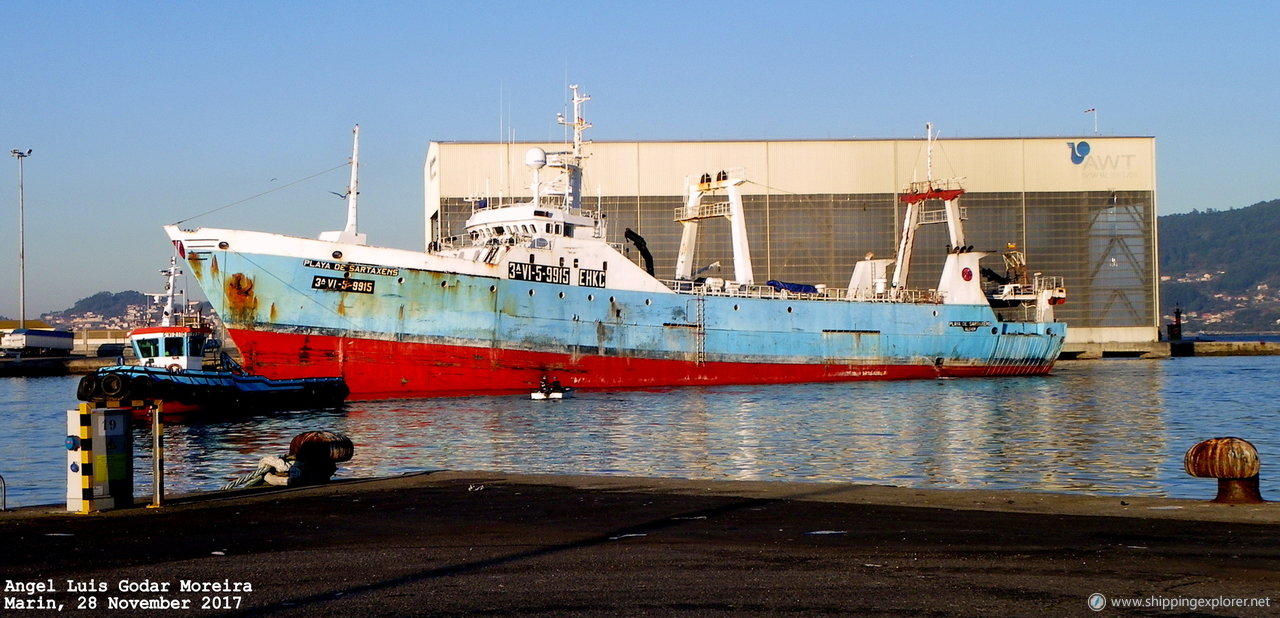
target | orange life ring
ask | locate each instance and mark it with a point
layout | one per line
(174, 368)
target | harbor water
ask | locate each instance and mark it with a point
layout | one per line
(1104, 427)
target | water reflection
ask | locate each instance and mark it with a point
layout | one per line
(1097, 427)
(1090, 427)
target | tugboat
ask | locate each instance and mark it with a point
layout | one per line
(172, 367)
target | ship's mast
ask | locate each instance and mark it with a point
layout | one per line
(170, 292)
(573, 166)
(928, 153)
(914, 197)
(351, 234)
(353, 189)
(578, 123)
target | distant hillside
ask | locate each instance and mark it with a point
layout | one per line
(1223, 268)
(118, 311)
(106, 303)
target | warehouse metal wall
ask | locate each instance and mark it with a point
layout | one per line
(815, 208)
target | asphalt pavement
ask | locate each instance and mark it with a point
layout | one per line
(484, 543)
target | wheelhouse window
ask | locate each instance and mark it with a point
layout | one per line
(173, 346)
(147, 348)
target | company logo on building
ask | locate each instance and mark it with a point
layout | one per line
(1078, 151)
(1106, 164)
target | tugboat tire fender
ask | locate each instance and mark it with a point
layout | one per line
(114, 385)
(88, 388)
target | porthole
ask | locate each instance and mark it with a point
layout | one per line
(995, 330)
(530, 292)
(735, 307)
(223, 245)
(648, 302)
(591, 297)
(400, 280)
(493, 289)
(562, 295)
(612, 299)
(444, 284)
(789, 310)
(337, 255)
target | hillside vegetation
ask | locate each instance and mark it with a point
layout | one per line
(1223, 268)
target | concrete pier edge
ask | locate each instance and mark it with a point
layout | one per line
(1000, 501)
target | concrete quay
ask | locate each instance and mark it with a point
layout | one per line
(1166, 349)
(468, 543)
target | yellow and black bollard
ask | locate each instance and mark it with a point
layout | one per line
(99, 458)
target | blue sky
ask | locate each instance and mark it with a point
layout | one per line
(146, 113)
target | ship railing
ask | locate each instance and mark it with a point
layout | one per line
(940, 215)
(450, 243)
(732, 289)
(701, 211)
(549, 200)
(466, 242)
(1045, 282)
(939, 184)
(554, 200)
(191, 321)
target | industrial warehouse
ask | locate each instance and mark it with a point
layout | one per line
(1083, 208)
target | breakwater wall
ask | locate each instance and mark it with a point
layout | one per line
(1224, 348)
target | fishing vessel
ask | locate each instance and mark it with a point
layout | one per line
(534, 287)
(173, 365)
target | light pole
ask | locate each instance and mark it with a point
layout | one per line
(22, 264)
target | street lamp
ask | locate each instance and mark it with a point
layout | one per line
(22, 264)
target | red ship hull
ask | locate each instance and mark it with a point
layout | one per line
(379, 369)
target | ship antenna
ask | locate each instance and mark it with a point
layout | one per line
(928, 135)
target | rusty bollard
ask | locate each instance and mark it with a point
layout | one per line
(1234, 462)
